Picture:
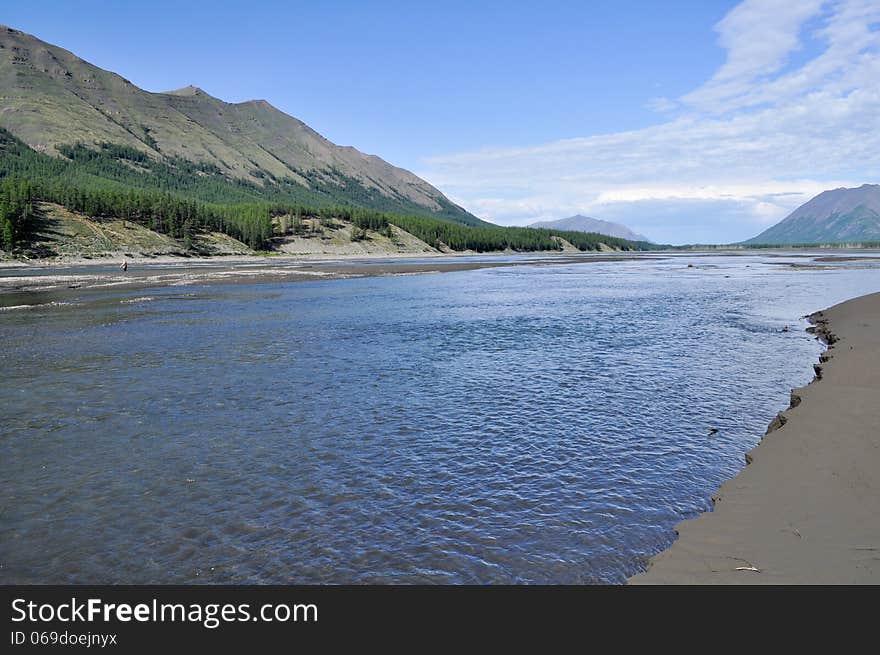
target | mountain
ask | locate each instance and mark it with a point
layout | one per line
(51, 99)
(837, 216)
(580, 223)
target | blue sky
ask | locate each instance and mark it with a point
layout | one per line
(688, 121)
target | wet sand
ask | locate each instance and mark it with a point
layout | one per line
(249, 270)
(806, 510)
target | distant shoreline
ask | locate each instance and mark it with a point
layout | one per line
(176, 271)
(169, 270)
(804, 510)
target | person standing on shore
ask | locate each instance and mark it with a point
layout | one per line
(124, 265)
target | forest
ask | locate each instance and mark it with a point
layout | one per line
(16, 210)
(180, 198)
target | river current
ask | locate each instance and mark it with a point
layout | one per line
(530, 424)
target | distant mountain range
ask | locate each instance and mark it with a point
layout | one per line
(579, 223)
(837, 216)
(50, 98)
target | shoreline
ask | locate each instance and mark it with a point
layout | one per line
(804, 508)
(251, 269)
(52, 275)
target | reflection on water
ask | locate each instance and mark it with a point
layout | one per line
(528, 424)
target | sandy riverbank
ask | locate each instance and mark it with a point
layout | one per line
(805, 510)
(173, 272)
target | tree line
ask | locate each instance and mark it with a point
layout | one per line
(487, 239)
(181, 198)
(16, 211)
(109, 165)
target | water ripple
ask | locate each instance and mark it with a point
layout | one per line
(496, 426)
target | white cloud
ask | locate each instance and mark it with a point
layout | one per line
(758, 138)
(758, 35)
(661, 104)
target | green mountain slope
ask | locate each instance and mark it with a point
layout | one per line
(835, 216)
(51, 100)
(85, 154)
(193, 203)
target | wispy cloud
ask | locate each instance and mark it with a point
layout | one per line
(759, 36)
(768, 130)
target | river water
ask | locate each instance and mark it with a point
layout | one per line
(530, 424)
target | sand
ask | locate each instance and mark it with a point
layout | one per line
(806, 510)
